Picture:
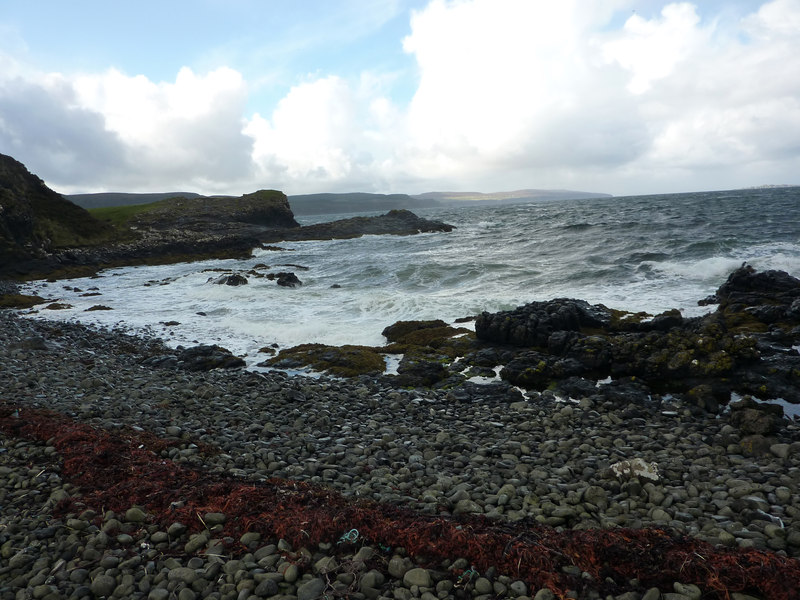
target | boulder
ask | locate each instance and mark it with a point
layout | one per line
(759, 418)
(288, 280)
(532, 325)
(755, 288)
(234, 280)
(206, 357)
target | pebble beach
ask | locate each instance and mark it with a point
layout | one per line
(514, 458)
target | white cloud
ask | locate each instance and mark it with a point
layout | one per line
(325, 132)
(652, 50)
(510, 93)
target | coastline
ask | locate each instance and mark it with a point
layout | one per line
(534, 460)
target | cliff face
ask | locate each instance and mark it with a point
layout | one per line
(35, 220)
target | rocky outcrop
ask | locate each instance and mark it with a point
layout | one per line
(264, 208)
(395, 222)
(746, 345)
(204, 357)
(35, 220)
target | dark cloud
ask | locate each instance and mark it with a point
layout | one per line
(62, 143)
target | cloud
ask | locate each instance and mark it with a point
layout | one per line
(325, 132)
(505, 94)
(42, 124)
(514, 83)
(114, 131)
(187, 131)
(548, 92)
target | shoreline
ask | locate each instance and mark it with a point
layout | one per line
(428, 451)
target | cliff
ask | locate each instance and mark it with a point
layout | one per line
(35, 221)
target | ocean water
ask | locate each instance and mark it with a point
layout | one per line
(638, 253)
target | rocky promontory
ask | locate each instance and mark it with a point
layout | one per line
(44, 235)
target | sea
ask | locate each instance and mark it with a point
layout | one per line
(637, 253)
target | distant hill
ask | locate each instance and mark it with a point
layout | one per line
(354, 202)
(513, 197)
(106, 199)
(328, 204)
(35, 220)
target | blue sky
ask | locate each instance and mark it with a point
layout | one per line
(218, 96)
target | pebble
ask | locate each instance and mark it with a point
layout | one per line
(539, 460)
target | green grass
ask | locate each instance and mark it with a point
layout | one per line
(121, 216)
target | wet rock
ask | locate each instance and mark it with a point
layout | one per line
(752, 417)
(233, 280)
(534, 323)
(206, 357)
(288, 279)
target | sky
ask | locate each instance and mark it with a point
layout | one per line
(401, 96)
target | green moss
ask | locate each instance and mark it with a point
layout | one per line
(399, 331)
(20, 301)
(344, 361)
(743, 322)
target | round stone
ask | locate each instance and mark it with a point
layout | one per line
(103, 585)
(419, 577)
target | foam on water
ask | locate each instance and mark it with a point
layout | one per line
(639, 254)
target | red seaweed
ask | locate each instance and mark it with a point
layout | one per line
(118, 469)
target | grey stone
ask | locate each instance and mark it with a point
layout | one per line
(158, 594)
(266, 588)
(417, 576)
(652, 594)
(518, 588)
(135, 515)
(398, 566)
(688, 589)
(311, 589)
(544, 594)
(371, 579)
(187, 594)
(197, 541)
(483, 585)
(103, 585)
(182, 574)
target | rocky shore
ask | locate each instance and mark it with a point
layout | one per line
(532, 464)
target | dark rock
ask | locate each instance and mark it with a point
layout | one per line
(532, 325)
(288, 279)
(752, 417)
(234, 279)
(624, 392)
(755, 445)
(416, 371)
(536, 370)
(703, 396)
(576, 387)
(665, 321)
(753, 288)
(161, 362)
(496, 391)
(398, 331)
(395, 222)
(206, 357)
